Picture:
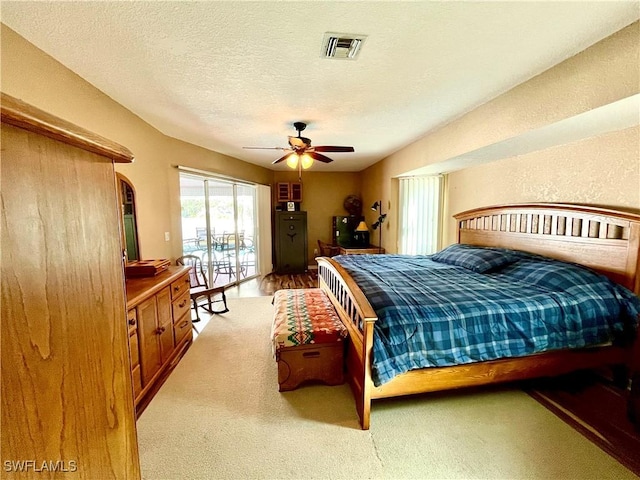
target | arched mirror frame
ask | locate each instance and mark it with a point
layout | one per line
(128, 218)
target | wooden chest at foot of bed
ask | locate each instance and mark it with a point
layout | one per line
(308, 338)
(321, 363)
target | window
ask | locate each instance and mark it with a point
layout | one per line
(420, 214)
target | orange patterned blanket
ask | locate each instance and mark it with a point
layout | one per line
(304, 316)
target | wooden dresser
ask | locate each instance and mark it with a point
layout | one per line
(67, 396)
(159, 321)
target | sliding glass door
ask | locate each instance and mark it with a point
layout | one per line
(219, 226)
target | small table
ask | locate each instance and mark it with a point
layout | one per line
(371, 249)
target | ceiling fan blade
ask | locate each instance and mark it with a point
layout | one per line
(299, 142)
(282, 158)
(320, 157)
(265, 148)
(326, 148)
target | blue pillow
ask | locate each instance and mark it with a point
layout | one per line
(552, 274)
(478, 259)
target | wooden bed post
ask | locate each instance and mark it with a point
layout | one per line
(633, 262)
(365, 414)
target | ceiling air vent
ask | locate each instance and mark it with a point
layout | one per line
(342, 46)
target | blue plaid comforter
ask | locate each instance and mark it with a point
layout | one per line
(433, 314)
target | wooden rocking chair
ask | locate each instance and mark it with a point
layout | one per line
(200, 287)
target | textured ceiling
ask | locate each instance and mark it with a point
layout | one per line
(224, 75)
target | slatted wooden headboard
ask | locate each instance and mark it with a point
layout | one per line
(607, 241)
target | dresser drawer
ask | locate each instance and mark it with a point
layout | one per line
(180, 286)
(132, 320)
(182, 328)
(180, 306)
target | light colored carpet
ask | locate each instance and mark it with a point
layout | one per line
(220, 416)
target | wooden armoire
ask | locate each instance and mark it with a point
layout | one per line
(67, 398)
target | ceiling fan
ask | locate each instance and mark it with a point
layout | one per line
(300, 153)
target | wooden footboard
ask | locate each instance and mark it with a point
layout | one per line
(604, 240)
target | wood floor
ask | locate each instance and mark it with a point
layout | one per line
(269, 284)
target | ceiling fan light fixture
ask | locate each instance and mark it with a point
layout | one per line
(301, 155)
(306, 160)
(292, 160)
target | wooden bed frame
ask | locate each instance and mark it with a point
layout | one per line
(607, 241)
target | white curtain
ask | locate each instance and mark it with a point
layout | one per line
(420, 213)
(264, 227)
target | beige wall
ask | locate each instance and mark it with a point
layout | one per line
(378, 184)
(33, 76)
(603, 171)
(606, 72)
(323, 196)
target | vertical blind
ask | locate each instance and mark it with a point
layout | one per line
(420, 204)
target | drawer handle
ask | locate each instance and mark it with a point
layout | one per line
(182, 303)
(132, 321)
(176, 288)
(184, 324)
(160, 330)
(311, 354)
